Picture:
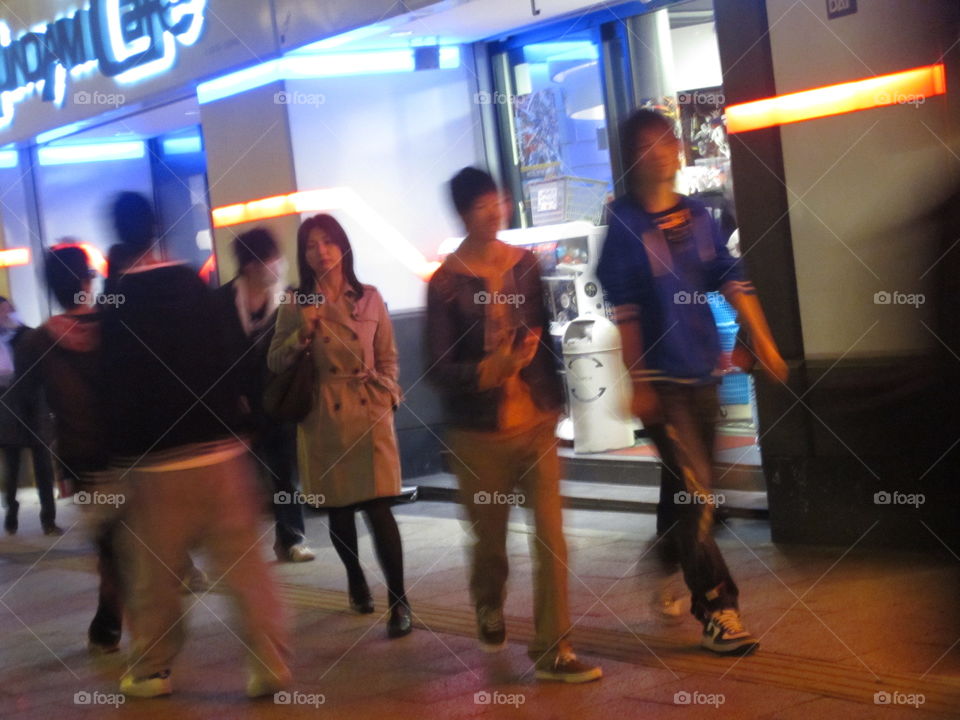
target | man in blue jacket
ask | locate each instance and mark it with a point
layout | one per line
(662, 255)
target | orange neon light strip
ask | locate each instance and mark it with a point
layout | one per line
(900, 88)
(329, 200)
(14, 257)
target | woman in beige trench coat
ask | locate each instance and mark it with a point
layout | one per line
(347, 446)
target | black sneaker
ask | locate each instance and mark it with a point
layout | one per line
(491, 630)
(52, 529)
(565, 667)
(724, 634)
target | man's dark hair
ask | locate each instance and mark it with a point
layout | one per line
(134, 220)
(641, 121)
(468, 185)
(254, 245)
(66, 269)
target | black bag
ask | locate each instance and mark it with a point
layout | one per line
(288, 396)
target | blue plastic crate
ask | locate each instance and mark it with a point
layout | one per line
(735, 389)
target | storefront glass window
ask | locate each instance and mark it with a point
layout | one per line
(560, 130)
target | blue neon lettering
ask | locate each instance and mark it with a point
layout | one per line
(120, 35)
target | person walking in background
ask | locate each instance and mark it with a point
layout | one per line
(662, 254)
(248, 310)
(23, 425)
(61, 360)
(486, 325)
(347, 445)
(172, 411)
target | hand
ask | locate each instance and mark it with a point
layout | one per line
(646, 404)
(773, 365)
(311, 323)
(528, 348)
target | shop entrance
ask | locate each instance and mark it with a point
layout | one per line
(561, 92)
(61, 190)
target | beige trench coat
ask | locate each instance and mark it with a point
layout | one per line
(347, 445)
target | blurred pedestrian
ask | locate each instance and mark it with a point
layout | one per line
(248, 310)
(23, 425)
(488, 355)
(172, 411)
(663, 253)
(61, 360)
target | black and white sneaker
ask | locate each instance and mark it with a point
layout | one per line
(724, 634)
(491, 630)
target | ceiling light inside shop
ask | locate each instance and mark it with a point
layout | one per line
(300, 66)
(581, 88)
(342, 39)
(8, 159)
(182, 145)
(91, 152)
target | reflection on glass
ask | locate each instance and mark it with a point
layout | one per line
(560, 131)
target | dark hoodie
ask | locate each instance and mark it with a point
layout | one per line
(61, 360)
(165, 364)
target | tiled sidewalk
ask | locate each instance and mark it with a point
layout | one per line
(837, 626)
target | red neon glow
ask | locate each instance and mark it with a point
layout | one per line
(14, 257)
(340, 199)
(208, 268)
(909, 87)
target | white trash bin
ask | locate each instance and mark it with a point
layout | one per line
(598, 386)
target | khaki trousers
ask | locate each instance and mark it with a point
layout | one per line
(493, 469)
(214, 508)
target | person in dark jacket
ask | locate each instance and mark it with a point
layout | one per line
(487, 354)
(173, 413)
(662, 255)
(22, 425)
(248, 310)
(61, 360)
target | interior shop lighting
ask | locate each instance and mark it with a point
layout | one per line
(14, 257)
(91, 152)
(299, 65)
(342, 39)
(340, 199)
(899, 88)
(57, 133)
(182, 145)
(8, 159)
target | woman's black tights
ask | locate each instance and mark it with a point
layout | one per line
(386, 542)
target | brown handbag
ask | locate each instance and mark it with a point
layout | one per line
(288, 396)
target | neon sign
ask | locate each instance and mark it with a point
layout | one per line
(128, 40)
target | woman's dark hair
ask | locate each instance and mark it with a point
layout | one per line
(640, 121)
(66, 269)
(468, 185)
(334, 230)
(134, 220)
(255, 245)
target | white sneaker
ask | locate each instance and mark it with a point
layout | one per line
(666, 599)
(299, 554)
(263, 682)
(156, 685)
(196, 581)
